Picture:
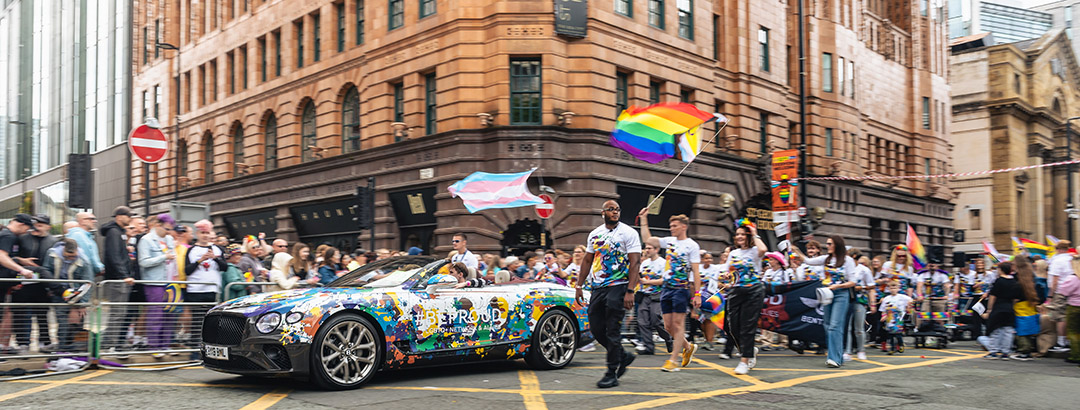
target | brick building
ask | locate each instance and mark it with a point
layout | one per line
(1010, 106)
(287, 107)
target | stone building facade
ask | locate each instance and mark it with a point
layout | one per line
(287, 105)
(1010, 106)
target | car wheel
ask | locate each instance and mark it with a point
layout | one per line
(554, 341)
(345, 352)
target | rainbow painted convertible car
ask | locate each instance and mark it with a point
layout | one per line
(339, 336)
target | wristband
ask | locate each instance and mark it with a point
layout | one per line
(577, 287)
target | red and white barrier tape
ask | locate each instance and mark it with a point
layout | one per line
(956, 175)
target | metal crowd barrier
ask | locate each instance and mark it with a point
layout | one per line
(44, 326)
(157, 328)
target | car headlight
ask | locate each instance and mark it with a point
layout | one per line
(268, 323)
(293, 317)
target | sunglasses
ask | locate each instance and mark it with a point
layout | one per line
(456, 241)
(612, 210)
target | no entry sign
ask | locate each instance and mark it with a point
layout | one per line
(546, 209)
(148, 144)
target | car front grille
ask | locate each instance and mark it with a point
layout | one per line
(234, 363)
(224, 330)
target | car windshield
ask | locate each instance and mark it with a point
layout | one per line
(380, 269)
(395, 278)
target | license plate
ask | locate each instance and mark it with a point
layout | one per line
(216, 352)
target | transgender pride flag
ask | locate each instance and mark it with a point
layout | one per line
(484, 190)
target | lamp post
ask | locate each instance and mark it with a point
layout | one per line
(176, 187)
(1070, 205)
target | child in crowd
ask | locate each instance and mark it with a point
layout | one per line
(1000, 317)
(649, 319)
(893, 308)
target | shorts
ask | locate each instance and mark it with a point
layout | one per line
(674, 300)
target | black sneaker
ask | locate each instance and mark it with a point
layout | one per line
(626, 360)
(669, 346)
(796, 347)
(610, 380)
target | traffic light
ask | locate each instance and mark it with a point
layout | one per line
(80, 181)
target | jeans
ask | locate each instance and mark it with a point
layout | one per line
(1000, 340)
(649, 320)
(835, 319)
(159, 325)
(856, 340)
(606, 313)
(744, 306)
(114, 316)
(65, 331)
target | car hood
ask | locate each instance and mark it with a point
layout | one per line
(287, 300)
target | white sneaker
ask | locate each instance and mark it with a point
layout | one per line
(722, 340)
(847, 357)
(724, 356)
(751, 362)
(591, 347)
(742, 368)
(861, 356)
(831, 363)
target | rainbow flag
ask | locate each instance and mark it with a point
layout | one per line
(915, 248)
(991, 251)
(1052, 240)
(934, 315)
(713, 309)
(1035, 248)
(649, 133)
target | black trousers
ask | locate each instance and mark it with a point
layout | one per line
(606, 313)
(744, 310)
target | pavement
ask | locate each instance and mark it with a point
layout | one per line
(954, 378)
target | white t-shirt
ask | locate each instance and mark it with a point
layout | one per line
(652, 269)
(905, 270)
(862, 276)
(612, 249)
(681, 257)
(898, 301)
(468, 258)
(1060, 265)
(745, 266)
(207, 271)
(834, 274)
(779, 275)
(807, 272)
(933, 283)
(710, 277)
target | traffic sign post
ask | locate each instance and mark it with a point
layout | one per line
(546, 209)
(149, 145)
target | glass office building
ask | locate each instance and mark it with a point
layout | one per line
(1008, 20)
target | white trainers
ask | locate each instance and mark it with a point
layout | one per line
(742, 368)
(861, 356)
(724, 356)
(831, 363)
(591, 347)
(847, 357)
(751, 362)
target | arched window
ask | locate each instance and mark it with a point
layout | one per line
(239, 168)
(181, 164)
(208, 158)
(1057, 106)
(307, 132)
(350, 121)
(270, 134)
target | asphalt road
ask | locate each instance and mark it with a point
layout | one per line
(941, 379)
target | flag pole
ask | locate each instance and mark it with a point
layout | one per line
(687, 164)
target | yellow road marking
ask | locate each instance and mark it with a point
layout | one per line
(729, 372)
(267, 400)
(530, 390)
(54, 384)
(518, 391)
(786, 383)
(872, 362)
(638, 368)
(760, 369)
(127, 383)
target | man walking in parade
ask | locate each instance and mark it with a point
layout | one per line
(612, 257)
(682, 285)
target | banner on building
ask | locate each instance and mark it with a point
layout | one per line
(571, 17)
(793, 310)
(785, 174)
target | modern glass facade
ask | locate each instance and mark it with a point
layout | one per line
(65, 81)
(1012, 24)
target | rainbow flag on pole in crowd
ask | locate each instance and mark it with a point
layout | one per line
(1052, 240)
(915, 248)
(934, 315)
(1036, 248)
(991, 251)
(713, 309)
(484, 190)
(649, 133)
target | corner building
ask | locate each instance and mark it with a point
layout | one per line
(285, 108)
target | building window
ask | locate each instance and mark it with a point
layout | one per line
(299, 26)
(430, 105)
(763, 131)
(359, 22)
(350, 121)
(851, 77)
(621, 80)
(270, 137)
(923, 7)
(213, 80)
(826, 73)
(208, 158)
(654, 92)
(238, 151)
(397, 14)
(854, 150)
(230, 64)
(625, 7)
(146, 104)
(840, 75)
(146, 45)
(1068, 17)
(685, 96)
(686, 18)
(262, 58)
(926, 113)
(181, 161)
(716, 37)
(307, 132)
(340, 26)
(399, 102)
(316, 21)
(243, 68)
(927, 169)
(427, 8)
(525, 83)
(974, 219)
(656, 13)
(277, 53)
(763, 41)
(828, 142)
(157, 100)
(157, 38)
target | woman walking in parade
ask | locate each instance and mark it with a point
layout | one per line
(838, 268)
(864, 298)
(747, 296)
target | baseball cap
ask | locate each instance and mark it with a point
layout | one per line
(42, 219)
(232, 249)
(23, 219)
(180, 229)
(122, 210)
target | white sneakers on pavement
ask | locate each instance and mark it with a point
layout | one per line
(751, 362)
(742, 368)
(831, 363)
(861, 356)
(847, 357)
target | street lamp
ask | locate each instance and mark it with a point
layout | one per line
(176, 186)
(1070, 208)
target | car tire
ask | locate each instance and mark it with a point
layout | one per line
(345, 353)
(553, 342)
